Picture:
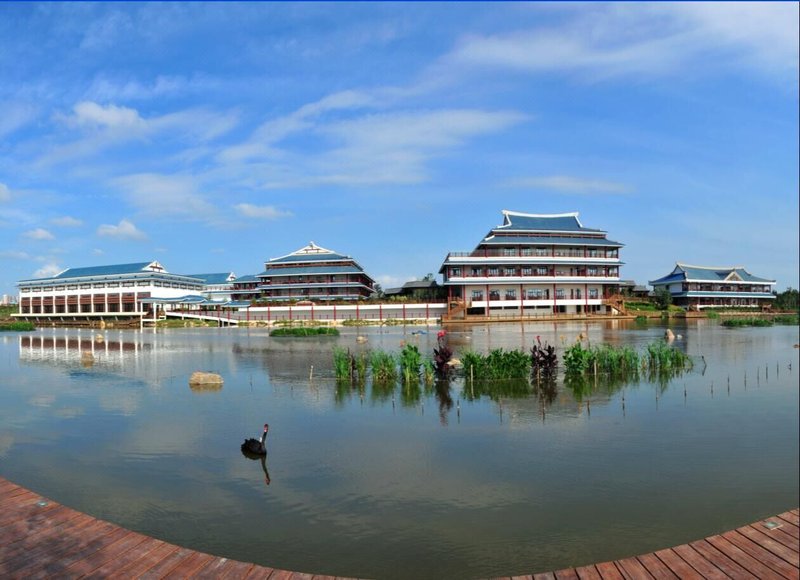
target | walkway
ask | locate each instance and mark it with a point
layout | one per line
(40, 538)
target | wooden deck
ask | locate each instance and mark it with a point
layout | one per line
(40, 538)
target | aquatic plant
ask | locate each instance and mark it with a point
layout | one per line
(712, 315)
(305, 331)
(748, 321)
(544, 360)
(661, 356)
(384, 366)
(18, 326)
(428, 372)
(410, 361)
(499, 364)
(442, 356)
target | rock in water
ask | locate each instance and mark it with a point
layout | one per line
(204, 378)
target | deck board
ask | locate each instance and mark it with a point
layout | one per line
(40, 538)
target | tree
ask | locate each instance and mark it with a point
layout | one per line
(789, 299)
(378, 290)
(663, 297)
(428, 277)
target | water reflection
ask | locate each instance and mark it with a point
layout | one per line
(442, 480)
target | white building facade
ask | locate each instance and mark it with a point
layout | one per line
(535, 264)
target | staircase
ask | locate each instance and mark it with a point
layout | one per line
(617, 302)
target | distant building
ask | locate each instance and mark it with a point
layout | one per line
(634, 290)
(245, 288)
(313, 273)
(218, 286)
(535, 264)
(418, 290)
(115, 291)
(700, 287)
(7, 300)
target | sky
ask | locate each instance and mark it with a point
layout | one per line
(213, 137)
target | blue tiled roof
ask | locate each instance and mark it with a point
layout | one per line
(550, 241)
(216, 278)
(245, 279)
(304, 270)
(708, 274)
(112, 270)
(528, 222)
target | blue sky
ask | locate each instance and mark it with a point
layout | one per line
(212, 137)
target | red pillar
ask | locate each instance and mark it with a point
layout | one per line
(334, 312)
(404, 310)
(555, 304)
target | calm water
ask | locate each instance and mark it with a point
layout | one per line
(396, 484)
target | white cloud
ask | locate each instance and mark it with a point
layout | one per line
(66, 221)
(15, 255)
(125, 230)
(570, 184)
(391, 281)
(39, 234)
(166, 195)
(48, 270)
(15, 115)
(262, 212)
(98, 252)
(614, 39)
(91, 114)
(5, 193)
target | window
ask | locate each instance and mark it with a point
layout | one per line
(591, 271)
(527, 252)
(455, 271)
(494, 271)
(509, 252)
(560, 294)
(72, 287)
(494, 295)
(577, 293)
(511, 294)
(541, 271)
(477, 272)
(593, 293)
(509, 272)
(113, 284)
(527, 271)
(98, 285)
(127, 284)
(477, 294)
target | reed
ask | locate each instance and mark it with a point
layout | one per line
(499, 364)
(748, 321)
(305, 331)
(384, 366)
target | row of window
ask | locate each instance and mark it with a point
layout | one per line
(527, 251)
(535, 294)
(492, 271)
(110, 285)
(724, 288)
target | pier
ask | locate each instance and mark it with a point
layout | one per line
(42, 538)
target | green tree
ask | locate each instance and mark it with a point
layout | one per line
(663, 297)
(789, 299)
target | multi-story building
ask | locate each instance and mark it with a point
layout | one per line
(97, 292)
(217, 286)
(699, 287)
(313, 273)
(245, 288)
(535, 264)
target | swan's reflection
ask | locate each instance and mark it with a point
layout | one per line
(262, 458)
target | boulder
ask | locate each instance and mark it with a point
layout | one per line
(201, 378)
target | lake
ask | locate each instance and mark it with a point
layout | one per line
(402, 482)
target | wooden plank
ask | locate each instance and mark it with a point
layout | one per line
(21, 536)
(767, 542)
(675, 563)
(761, 554)
(143, 564)
(656, 567)
(566, 574)
(741, 557)
(59, 566)
(106, 554)
(632, 569)
(588, 573)
(609, 571)
(188, 566)
(163, 567)
(699, 563)
(224, 568)
(779, 535)
(720, 560)
(115, 567)
(790, 517)
(544, 576)
(39, 555)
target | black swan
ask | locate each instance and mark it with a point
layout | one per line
(256, 446)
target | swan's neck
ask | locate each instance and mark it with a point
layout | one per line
(263, 438)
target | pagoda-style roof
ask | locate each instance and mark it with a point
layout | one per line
(310, 270)
(310, 253)
(549, 241)
(687, 273)
(514, 221)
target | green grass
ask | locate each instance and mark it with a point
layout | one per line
(748, 321)
(499, 364)
(641, 306)
(384, 366)
(712, 315)
(305, 331)
(17, 326)
(623, 360)
(790, 319)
